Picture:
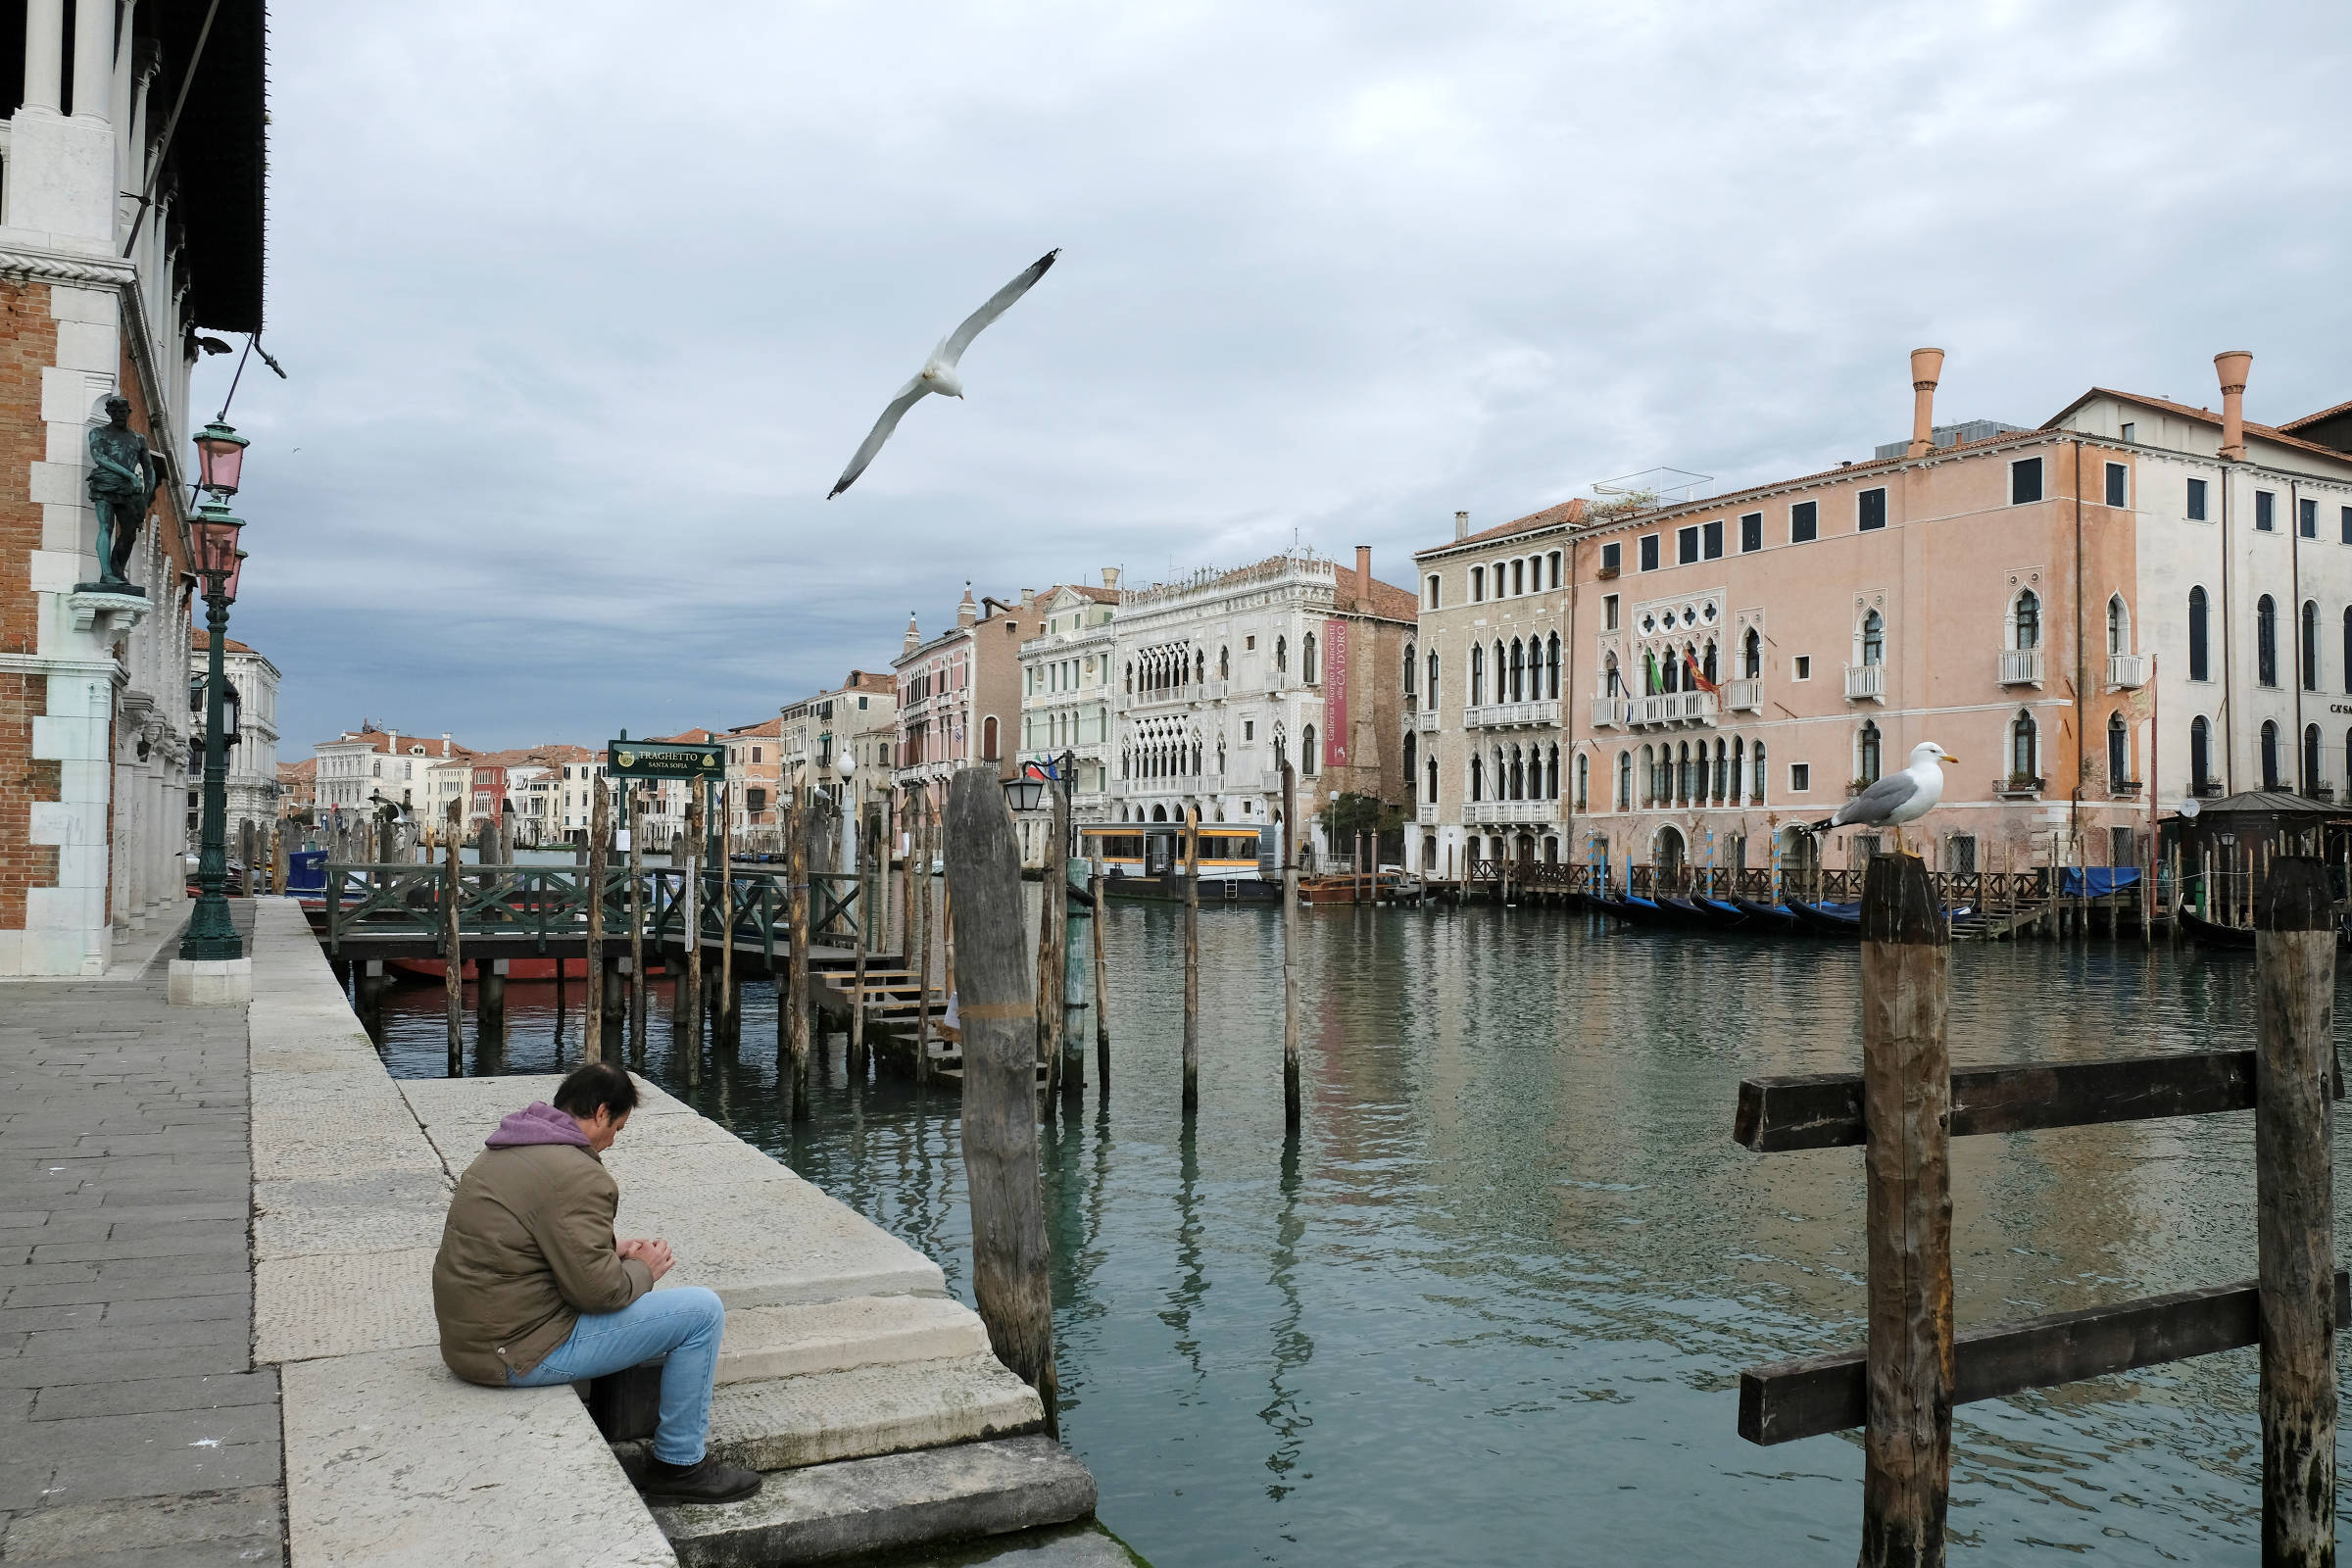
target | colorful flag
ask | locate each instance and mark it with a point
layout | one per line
(1690, 662)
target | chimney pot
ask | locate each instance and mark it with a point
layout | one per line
(2231, 366)
(1363, 579)
(1927, 369)
(1110, 576)
(1462, 526)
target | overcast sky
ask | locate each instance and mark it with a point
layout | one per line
(586, 306)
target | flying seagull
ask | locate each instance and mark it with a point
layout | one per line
(1898, 797)
(938, 373)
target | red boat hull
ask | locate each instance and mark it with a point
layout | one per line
(517, 969)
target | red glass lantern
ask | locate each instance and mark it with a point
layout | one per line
(220, 458)
(215, 530)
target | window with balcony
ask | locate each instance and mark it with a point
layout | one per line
(1433, 680)
(1430, 768)
(1804, 521)
(2265, 511)
(2265, 642)
(1874, 639)
(1751, 654)
(1870, 510)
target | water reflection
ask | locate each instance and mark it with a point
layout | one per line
(1492, 1304)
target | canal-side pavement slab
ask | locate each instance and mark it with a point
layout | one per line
(134, 1427)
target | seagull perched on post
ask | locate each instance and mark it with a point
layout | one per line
(938, 373)
(1898, 797)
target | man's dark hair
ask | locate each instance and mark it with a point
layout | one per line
(599, 1085)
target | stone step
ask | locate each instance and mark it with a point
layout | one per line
(784, 1423)
(783, 1342)
(853, 1508)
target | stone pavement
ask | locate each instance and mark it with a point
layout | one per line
(134, 1426)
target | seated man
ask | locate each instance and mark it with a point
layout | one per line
(530, 1289)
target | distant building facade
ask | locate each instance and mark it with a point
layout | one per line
(960, 694)
(252, 763)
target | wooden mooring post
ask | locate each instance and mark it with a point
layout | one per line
(452, 958)
(1094, 888)
(1908, 1103)
(636, 935)
(1192, 959)
(689, 1020)
(1290, 1092)
(869, 887)
(1011, 1256)
(729, 1005)
(796, 990)
(919, 844)
(600, 832)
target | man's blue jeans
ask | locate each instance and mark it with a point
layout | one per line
(685, 1323)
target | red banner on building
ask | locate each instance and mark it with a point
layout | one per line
(1335, 694)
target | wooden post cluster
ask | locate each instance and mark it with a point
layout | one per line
(452, 958)
(1291, 1089)
(1192, 959)
(1011, 1257)
(1905, 1106)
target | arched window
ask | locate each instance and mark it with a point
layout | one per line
(1707, 665)
(2025, 769)
(1670, 677)
(1683, 779)
(1518, 776)
(1649, 777)
(2265, 642)
(1612, 683)
(2119, 751)
(1751, 654)
(1551, 773)
(988, 739)
(1410, 660)
(1308, 755)
(1282, 655)
(2025, 620)
(1130, 676)
(2197, 663)
(1412, 773)
(1625, 781)
(1309, 665)
(1584, 781)
(2311, 759)
(1551, 667)
(2310, 650)
(1738, 790)
(2269, 755)
(1225, 663)
(1719, 786)
(1431, 766)
(2119, 625)
(1874, 639)
(1478, 675)
(2200, 752)
(1432, 692)
(2348, 648)
(1866, 753)
(1200, 665)
(1500, 668)
(1518, 672)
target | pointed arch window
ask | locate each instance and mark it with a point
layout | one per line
(2024, 751)
(1307, 754)
(1551, 667)
(2312, 778)
(2119, 625)
(1755, 776)
(2265, 642)
(1478, 675)
(2310, 651)
(1584, 781)
(1432, 692)
(2025, 620)
(2269, 755)
(1874, 639)
(1625, 781)
(2200, 754)
(1411, 658)
(1431, 766)
(1225, 663)
(1518, 671)
(1867, 753)
(2119, 751)
(1612, 682)
(1282, 656)
(1751, 654)
(2199, 666)
(1412, 770)
(1309, 665)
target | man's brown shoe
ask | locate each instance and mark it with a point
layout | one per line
(705, 1482)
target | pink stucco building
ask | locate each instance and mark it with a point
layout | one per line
(2131, 602)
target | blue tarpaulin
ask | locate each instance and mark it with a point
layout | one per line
(2096, 881)
(306, 871)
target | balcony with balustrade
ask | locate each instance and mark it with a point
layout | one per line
(2020, 667)
(1480, 813)
(1426, 721)
(1866, 683)
(1744, 696)
(1512, 716)
(1671, 709)
(1608, 712)
(1426, 814)
(2127, 670)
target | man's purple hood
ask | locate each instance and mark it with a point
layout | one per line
(536, 1123)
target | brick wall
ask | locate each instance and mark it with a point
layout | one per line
(27, 344)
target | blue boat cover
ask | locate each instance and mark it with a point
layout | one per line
(306, 871)
(2096, 881)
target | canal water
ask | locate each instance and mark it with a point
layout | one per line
(1493, 1303)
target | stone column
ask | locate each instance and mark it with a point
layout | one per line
(93, 61)
(46, 54)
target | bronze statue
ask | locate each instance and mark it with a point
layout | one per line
(123, 480)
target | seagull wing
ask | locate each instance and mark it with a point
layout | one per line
(951, 351)
(1877, 804)
(908, 396)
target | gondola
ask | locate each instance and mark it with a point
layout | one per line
(1767, 916)
(1705, 914)
(1828, 919)
(2214, 934)
(1636, 912)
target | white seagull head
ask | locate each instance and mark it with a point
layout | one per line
(1927, 752)
(940, 379)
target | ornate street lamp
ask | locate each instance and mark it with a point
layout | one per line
(1024, 793)
(218, 560)
(219, 456)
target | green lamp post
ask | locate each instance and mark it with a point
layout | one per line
(220, 563)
